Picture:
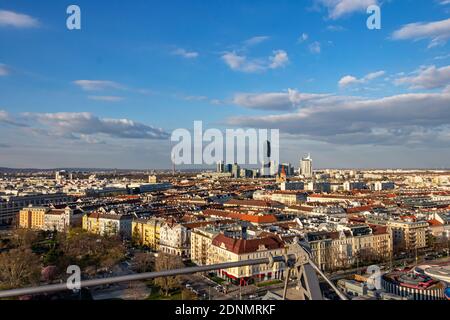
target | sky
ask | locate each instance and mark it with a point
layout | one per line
(110, 94)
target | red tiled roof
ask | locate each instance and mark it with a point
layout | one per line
(434, 223)
(358, 209)
(377, 229)
(241, 246)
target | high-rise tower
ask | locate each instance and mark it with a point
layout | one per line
(306, 168)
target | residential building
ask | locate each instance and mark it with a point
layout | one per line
(32, 217)
(62, 219)
(349, 246)
(201, 241)
(175, 239)
(10, 206)
(288, 186)
(146, 232)
(108, 224)
(409, 235)
(288, 197)
(225, 248)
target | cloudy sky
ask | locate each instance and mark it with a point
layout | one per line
(110, 94)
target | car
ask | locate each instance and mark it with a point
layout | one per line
(188, 286)
(430, 257)
(219, 288)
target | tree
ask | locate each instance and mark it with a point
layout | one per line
(89, 251)
(24, 238)
(143, 262)
(18, 268)
(167, 262)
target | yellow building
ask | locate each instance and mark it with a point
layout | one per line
(146, 232)
(91, 222)
(32, 217)
(201, 240)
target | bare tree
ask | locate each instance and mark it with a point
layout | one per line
(19, 267)
(167, 262)
(91, 251)
(24, 238)
(143, 262)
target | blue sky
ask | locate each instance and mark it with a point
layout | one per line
(109, 95)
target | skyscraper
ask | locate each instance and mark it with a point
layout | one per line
(306, 169)
(220, 167)
(266, 166)
(235, 171)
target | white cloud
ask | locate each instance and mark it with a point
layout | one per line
(408, 119)
(427, 78)
(351, 80)
(287, 100)
(3, 70)
(340, 8)
(438, 32)
(255, 40)
(106, 98)
(97, 85)
(17, 20)
(240, 62)
(74, 125)
(335, 28)
(185, 54)
(279, 59)
(6, 118)
(303, 37)
(315, 47)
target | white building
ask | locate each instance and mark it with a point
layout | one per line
(306, 168)
(175, 239)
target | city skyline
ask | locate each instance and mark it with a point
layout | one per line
(109, 95)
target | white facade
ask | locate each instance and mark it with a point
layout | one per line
(306, 168)
(175, 239)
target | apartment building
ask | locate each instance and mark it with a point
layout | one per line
(229, 248)
(146, 232)
(62, 219)
(175, 239)
(289, 197)
(10, 206)
(108, 224)
(201, 241)
(349, 246)
(409, 235)
(32, 217)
